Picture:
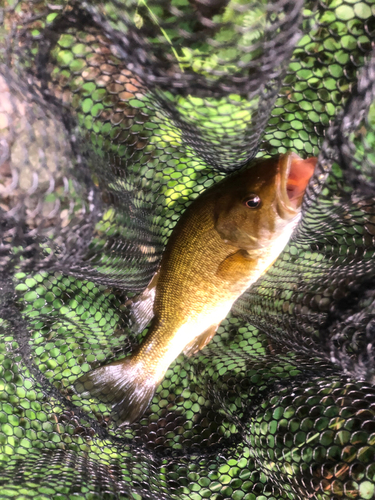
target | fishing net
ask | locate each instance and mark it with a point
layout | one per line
(114, 116)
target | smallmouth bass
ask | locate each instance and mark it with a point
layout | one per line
(227, 238)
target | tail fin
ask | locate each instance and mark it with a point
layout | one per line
(125, 384)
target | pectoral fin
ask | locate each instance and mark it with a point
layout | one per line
(201, 341)
(235, 266)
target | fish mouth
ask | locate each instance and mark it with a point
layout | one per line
(295, 174)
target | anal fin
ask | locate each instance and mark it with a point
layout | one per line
(201, 341)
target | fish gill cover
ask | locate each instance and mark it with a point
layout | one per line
(114, 116)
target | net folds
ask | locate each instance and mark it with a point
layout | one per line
(114, 117)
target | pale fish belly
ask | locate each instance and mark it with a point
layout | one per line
(189, 331)
(273, 251)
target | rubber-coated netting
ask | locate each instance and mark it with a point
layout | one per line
(114, 116)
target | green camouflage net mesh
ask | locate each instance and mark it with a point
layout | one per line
(114, 116)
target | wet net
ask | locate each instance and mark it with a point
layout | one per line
(114, 116)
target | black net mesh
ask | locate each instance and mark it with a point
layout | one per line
(114, 116)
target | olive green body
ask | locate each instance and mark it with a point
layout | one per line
(210, 260)
(221, 245)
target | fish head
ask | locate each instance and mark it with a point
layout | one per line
(258, 203)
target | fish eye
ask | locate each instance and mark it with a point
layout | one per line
(252, 201)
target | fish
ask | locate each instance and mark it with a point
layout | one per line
(226, 239)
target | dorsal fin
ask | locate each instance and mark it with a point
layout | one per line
(142, 306)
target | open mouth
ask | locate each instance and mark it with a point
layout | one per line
(295, 177)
